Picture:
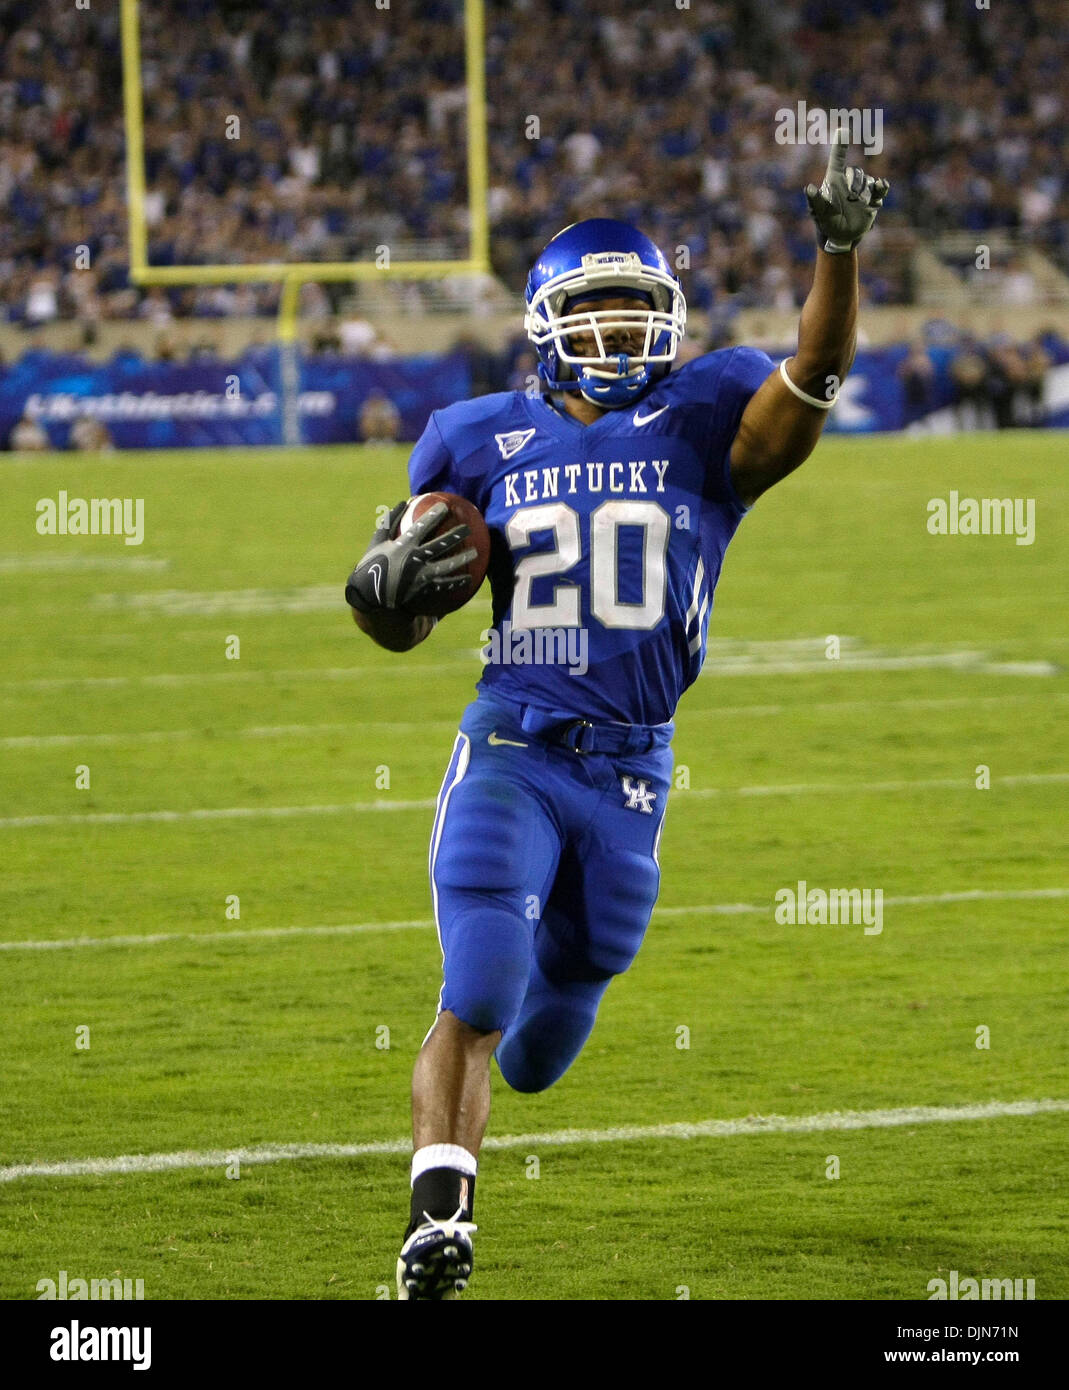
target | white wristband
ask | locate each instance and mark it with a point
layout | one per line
(802, 395)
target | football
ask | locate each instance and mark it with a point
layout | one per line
(461, 513)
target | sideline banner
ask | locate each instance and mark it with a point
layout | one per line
(214, 403)
(145, 405)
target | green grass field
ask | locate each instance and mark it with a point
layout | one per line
(855, 772)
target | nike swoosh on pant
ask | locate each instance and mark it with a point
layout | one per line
(494, 741)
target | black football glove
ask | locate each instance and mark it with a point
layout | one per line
(845, 205)
(409, 574)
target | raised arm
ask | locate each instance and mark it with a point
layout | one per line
(783, 421)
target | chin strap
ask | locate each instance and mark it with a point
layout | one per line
(613, 392)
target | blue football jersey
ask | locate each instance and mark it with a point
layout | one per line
(607, 540)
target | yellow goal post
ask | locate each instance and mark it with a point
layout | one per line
(294, 274)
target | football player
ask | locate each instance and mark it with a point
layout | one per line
(611, 499)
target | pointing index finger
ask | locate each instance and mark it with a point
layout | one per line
(840, 143)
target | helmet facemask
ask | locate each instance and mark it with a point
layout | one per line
(607, 378)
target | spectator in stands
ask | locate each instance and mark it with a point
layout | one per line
(917, 375)
(351, 137)
(1018, 283)
(484, 365)
(326, 339)
(384, 349)
(1005, 378)
(42, 299)
(28, 436)
(357, 336)
(90, 435)
(156, 308)
(1036, 363)
(968, 372)
(166, 348)
(315, 303)
(380, 420)
(524, 372)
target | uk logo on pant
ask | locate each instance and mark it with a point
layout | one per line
(639, 796)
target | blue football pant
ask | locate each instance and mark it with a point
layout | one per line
(543, 879)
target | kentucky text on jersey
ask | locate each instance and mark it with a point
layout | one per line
(534, 484)
(617, 528)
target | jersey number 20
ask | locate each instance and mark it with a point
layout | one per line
(605, 604)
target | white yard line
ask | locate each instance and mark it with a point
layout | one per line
(351, 928)
(315, 674)
(1024, 779)
(354, 726)
(725, 658)
(971, 662)
(216, 736)
(253, 933)
(835, 1120)
(34, 564)
(215, 813)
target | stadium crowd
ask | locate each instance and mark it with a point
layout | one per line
(275, 132)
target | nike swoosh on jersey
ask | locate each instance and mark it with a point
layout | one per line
(494, 741)
(645, 419)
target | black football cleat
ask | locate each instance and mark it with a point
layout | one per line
(435, 1260)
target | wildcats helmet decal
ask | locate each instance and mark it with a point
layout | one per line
(594, 261)
(598, 259)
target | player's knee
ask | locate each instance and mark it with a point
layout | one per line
(528, 1067)
(623, 917)
(527, 1071)
(468, 1036)
(549, 1035)
(484, 1011)
(527, 1081)
(487, 965)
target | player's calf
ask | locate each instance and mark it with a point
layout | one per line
(450, 1108)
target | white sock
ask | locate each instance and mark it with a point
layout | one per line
(443, 1156)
